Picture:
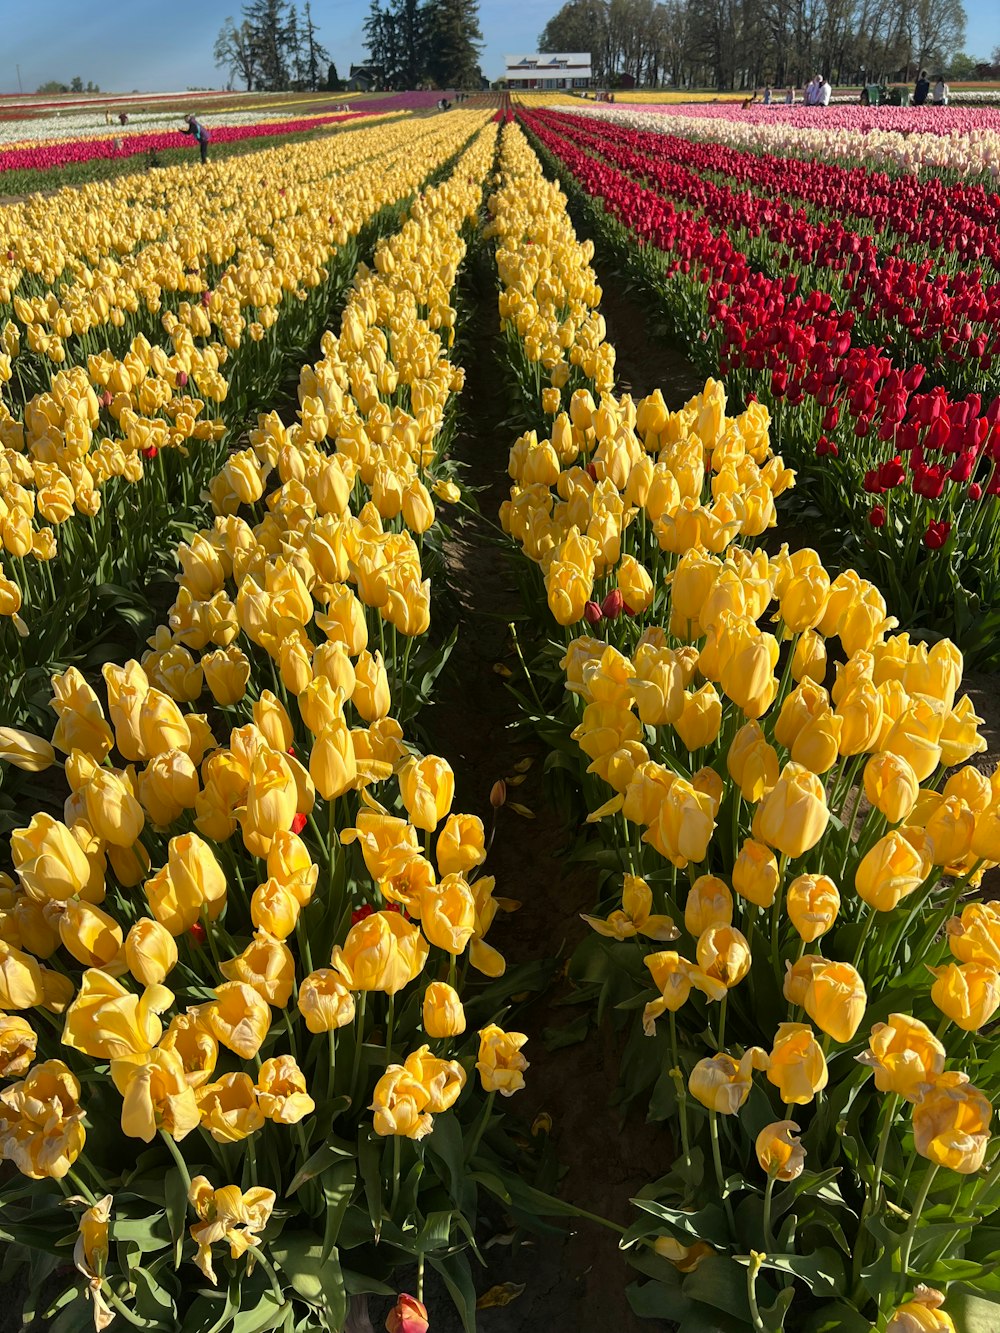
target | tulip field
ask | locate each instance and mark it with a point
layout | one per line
(293, 928)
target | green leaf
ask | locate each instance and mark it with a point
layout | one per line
(973, 1312)
(457, 1274)
(370, 1161)
(823, 1270)
(708, 1224)
(338, 1182)
(267, 1314)
(446, 1145)
(333, 1150)
(836, 1318)
(570, 1035)
(317, 1279)
(721, 1283)
(175, 1194)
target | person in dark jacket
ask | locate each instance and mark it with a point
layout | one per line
(201, 135)
(922, 90)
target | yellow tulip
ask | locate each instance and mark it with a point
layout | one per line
(752, 763)
(227, 673)
(683, 824)
(724, 955)
(635, 916)
(150, 951)
(700, 719)
(157, 1096)
(500, 1064)
(891, 786)
(905, 1054)
(755, 874)
(675, 977)
(107, 1022)
(31, 753)
(427, 788)
(229, 1108)
(797, 1067)
(325, 1001)
(779, 1152)
(443, 1015)
(381, 952)
(721, 1083)
(967, 993)
(190, 882)
(18, 1042)
(92, 936)
(892, 870)
(238, 1018)
(48, 860)
(835, 999)
(281, 1091)
(461, 845)
(951, 1122)
(812, 903)
(189, 1036)
(709, 903)
(400, 1104)
(228, 1215)
(22, 981)
(41, 1121)
(793, 816)
(267, 966)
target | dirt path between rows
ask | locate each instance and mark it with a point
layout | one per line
(577, 1280)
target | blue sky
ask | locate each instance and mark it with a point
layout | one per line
(122, 44)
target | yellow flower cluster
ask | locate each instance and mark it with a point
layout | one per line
(55, 460)
(696, 477)
(234, 811)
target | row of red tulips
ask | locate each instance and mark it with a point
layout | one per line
(960, 219)
(920, 314)
(930, 533)
(45, 156)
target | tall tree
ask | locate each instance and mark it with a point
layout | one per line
(235, 52)
(454, 41)
(268, 20)
(316, 53)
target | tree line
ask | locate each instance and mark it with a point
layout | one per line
(424, 43)
(742, 44)
(275, 48)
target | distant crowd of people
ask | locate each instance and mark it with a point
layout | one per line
(818, 92)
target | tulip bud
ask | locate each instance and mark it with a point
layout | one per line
(498, 794)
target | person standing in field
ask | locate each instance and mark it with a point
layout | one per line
(201, 135)
(824, 91)
(790, 97)
(922, 91)
(941, 92)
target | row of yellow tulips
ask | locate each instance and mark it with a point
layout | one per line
(801, 835)
(296, 977)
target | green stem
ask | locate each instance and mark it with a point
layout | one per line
(921, 1199)
(358, 1043)
(175, 1153)
(480, 1128)
(713, 1125)
(768, 1193)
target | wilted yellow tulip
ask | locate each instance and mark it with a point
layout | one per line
(266, 965)
(779, 1151)
(721, 1083)
(797, 1067)
(905, 1055)
(835, 999)
(951, 1121)
(157, 1096)
(500, 1064)
(238, 1018)
(922, 1314)
(281, 1091)
(793, 816)
(228, 1215)
(724, 955)
(41, 1121)
(107, 1022)
(229, 1108)
(18, 1042)
(635, 916)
